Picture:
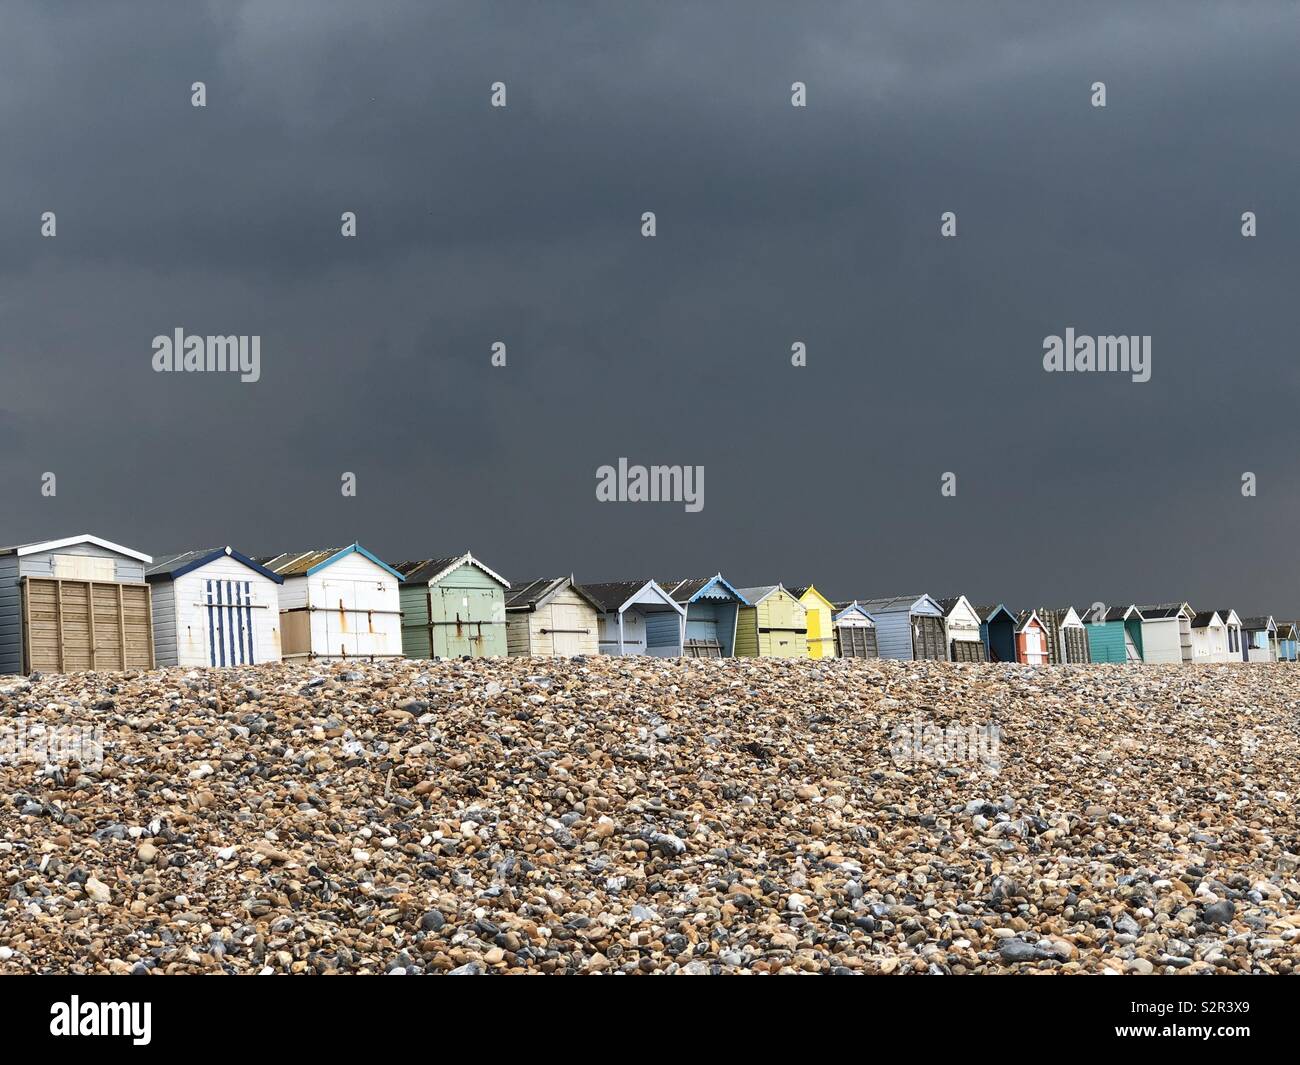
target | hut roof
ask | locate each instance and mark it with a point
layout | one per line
(69, 541)
(432, 570)
(171, 566)
(529, 595)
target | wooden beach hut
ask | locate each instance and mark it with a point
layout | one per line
(855, 632)
(1116, 636)
(1259, 636)
(773, 624)
(820, 614)
(638, 618)
(1031, 639)
(998, 631)
(908, 627)
(73, 604)
(214, 607)
(712, 611)
(1232, 628)
(1167, 632)
(961, 626)
(1067, 639)
(336, 604)
(1287, 634)
(1209, 637)
(551, 616)
(452, 607)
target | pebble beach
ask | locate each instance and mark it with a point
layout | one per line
(655, 816)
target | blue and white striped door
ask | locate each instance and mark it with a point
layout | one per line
(230, 623)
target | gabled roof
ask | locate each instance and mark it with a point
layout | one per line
(169, 567)
(1164, 611)
(1287, 630)
(852, 608)
(1024, 618)
(1114, 613)
(617, 596)
(1059, 615)
(1229, 616)
(305, 563)
(754, 596)
(1262, 621)
(69, 541)
(897, 604)
(432, 570)
(1206, 618)
(690, 589)
(799, 591)
(948, 605)
(989, 610)
(529, 595)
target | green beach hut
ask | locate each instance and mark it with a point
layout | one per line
(1115, 636)
(452, 607)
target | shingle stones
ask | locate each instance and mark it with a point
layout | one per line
(644, 815)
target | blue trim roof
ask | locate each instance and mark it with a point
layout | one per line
(354, 549)
(202, 558)
(719, 579)
(855, 608)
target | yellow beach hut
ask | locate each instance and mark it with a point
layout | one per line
(820, 613)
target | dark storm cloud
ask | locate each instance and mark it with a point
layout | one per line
(776, 225)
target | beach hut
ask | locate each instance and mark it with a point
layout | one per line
(638, 618)
(1287, 634)
(1067, 639)
(820, 614)
(73, 604)
(1115, 636)
(855, 632)
(1209, 637)
(452, 607)
(712, 609)
(961, 626)
(1232, 629)
(1167, 632)
(1259, 639)
(772, 624)
(998, 631)
(214, 607)
(336, 604)
(551, 616)
(908, 627)
(1031, 639)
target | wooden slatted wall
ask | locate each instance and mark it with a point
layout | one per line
(79, 625)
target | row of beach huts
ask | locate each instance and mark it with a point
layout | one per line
(83, 603)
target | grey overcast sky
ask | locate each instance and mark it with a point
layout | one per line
(776, 224)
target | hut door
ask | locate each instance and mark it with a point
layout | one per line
(462, 614)
(340, 618)
(73, 625)
(856, 641)
(567, 629)
(1076, 645)
(228, 606)
(968, 651)
(927, 638)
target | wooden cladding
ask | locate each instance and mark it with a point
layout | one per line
(856, 641)
(928, 638)
(968, 651)
(71, 625)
